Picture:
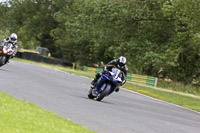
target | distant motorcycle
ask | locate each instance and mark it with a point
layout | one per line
(5, 52)
(106, 84)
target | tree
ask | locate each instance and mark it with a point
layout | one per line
(186, 39)
(154, 35)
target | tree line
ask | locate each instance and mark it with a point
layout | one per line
(154, 35)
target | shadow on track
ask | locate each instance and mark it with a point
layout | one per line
(105, 102)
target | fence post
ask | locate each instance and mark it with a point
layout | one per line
(74, 66)
(156, 82)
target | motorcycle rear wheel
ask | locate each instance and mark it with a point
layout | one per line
(90, 94)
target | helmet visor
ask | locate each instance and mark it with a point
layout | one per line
(13, 39)
(121, 64)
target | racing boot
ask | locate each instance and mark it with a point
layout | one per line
(96, 78)
(7, 60)
(94, 81)
(94, 92)
(117, 89)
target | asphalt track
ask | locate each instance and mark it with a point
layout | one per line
(66, 95)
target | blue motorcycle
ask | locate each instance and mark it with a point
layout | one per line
(106, 84)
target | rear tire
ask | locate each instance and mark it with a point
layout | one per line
(104, 93)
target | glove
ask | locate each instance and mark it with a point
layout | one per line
(105, 68)
(10, 52)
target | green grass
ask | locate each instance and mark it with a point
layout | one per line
(18, 116)
(179, 87)
(183, 99)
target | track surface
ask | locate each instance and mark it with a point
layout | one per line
(122, 112)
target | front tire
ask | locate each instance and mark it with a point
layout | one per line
(101, 95)
(2, 60)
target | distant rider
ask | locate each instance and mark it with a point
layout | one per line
(119, 63)
(13, 40)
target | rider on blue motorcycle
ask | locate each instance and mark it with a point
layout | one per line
(119, 63)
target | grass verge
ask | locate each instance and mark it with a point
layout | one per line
(187, 101)
(18, 116)
(58, 67)
(175, 86)
(182, 99)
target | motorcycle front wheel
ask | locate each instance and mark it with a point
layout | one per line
(101, 95)
(2, 60)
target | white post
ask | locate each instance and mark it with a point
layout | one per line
(156, 82)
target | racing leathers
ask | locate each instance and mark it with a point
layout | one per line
(14, 46)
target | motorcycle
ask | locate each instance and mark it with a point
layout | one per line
(5, 52)
(106, 84)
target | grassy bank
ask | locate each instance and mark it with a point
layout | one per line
(58, 67)
(18, 116)
(169, 95)
(184, 100)
(175, 86)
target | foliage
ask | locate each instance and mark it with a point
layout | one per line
(154, 35)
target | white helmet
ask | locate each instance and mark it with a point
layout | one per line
(13, 37)
(122, 60)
